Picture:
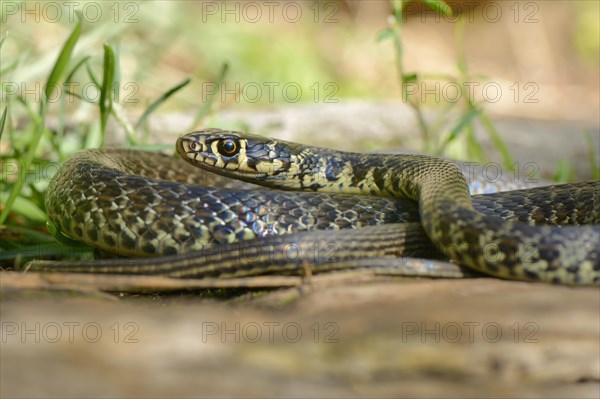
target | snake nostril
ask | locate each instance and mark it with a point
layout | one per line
(195, 146)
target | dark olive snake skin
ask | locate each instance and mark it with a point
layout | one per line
(139, 204)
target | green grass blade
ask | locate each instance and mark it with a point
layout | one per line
(3, 121)
(33, 115)
(32, 235)
(592, 156)
(92, 77)
(385, 34)
(45, 250)
(25, 207)
(63, 59)
(161, 100)
(440, 6)
(76, 95)
(4, 36)
(28, 160)
(106, 90)
(398, 8)
(120, 117)
(474, 149)
(497, 140)
(461, 59)
(76, 68)
(209, 101)
(61, 237)
(410, 78)
(466, 119)
(564, 172)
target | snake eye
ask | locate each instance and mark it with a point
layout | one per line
(228, 147)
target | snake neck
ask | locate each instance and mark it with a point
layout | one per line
(436, 184)
(416, 177)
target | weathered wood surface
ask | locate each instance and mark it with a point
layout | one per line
(350, 337)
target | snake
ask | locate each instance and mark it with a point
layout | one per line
(191, 220)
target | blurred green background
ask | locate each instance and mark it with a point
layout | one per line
(326, 48)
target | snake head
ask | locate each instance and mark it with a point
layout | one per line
(239, 155)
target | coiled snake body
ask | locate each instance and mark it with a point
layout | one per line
(96, 198)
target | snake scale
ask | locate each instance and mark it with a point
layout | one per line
(139, 204)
